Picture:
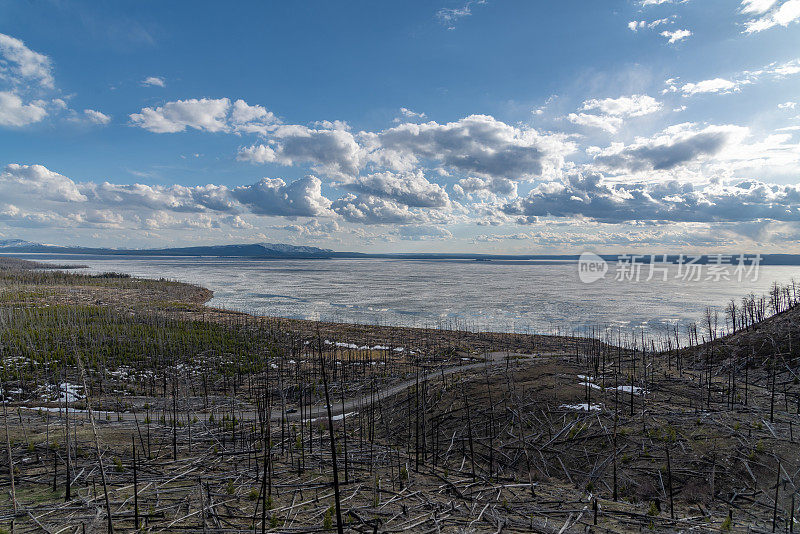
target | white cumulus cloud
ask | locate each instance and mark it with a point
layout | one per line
(591, 196)
(366, 209)
(673, 147)
(609, 114)
(154, 81)
(21, 65)
(757, 7)
(674, 36)
(14, 112)
(40, 182)
(201, 114)
(783, 15)
(301, 198)
(96, 117)
(716, 85)
(410, 188)
(330, 151)
(205, 114)
(625, 106)
(772, 71)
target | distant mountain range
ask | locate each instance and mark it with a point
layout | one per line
(284, 251)
(256, 250)
(16, 243)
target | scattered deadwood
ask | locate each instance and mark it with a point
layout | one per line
(188, 418)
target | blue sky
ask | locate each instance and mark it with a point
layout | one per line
(486, 126)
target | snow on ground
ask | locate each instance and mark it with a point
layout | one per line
(362, 347)
(589, 381)
(627, 389)
(63, 392)
(582, 407)
(335, 417)
(69, 392)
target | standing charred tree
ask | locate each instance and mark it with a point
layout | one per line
(8, 450)
(339, 526)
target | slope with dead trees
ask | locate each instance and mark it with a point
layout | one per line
(153, 412)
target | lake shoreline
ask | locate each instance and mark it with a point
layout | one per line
(184, 301)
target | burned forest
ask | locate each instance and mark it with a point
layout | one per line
(130, 406)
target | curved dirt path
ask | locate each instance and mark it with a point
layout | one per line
(337, 408)
(493, 359)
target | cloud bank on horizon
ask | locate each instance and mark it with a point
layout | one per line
(687, 137)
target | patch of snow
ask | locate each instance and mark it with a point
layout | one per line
(335, 417)
(582, 407)
(63, 392)
(627, 389)
(361, 347)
